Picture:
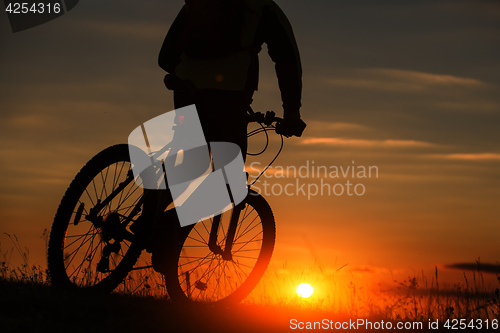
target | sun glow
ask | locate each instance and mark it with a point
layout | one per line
(304, 290)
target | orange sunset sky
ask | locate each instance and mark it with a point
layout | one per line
(409, 87)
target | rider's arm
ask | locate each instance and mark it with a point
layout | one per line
(169, 56)
(283, 50)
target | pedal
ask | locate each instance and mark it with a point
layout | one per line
(200, 285)
(112, 248)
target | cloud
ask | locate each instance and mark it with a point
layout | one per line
(423, 78)
(397, 80)
(477, 107)
(139, 30)
(368, 269)
(367, 143)
(335, 126)
(482, 267)
(468, 157)
(27, 122)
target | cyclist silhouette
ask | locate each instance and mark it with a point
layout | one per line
(213, 46)
(211, 56)
(103, 222)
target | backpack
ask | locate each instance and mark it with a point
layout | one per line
(212, 28)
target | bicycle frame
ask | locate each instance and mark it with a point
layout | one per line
(97, 220)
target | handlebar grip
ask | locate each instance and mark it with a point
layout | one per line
(300, 128)
(289, 129)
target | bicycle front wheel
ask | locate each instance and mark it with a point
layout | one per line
(91, 245)
(198, 275)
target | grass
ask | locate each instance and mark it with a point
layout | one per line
(416, 299)
(29, 303)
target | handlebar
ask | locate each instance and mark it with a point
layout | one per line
(267, 119)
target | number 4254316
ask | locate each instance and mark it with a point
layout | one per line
(461, 324)
(34, 8)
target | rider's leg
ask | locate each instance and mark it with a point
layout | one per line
(223, 114)
(153, 216)
(165, 229)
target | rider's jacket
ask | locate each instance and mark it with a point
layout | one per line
(262, 22)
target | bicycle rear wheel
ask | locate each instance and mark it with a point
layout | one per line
(197, 275)
(92, 248)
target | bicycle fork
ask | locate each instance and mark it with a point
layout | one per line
(231, 232)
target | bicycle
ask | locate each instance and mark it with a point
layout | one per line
(94, 239)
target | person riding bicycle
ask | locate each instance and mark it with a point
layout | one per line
(211, 56)
(213, 47)
(104, 222)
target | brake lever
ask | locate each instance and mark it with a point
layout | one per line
(269, 118)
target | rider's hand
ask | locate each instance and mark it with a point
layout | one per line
(290, 126)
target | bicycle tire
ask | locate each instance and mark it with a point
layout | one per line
(71, 231)
(182, 270)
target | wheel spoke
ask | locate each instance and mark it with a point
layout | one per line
(213, 278)
(73, 254)
(85, 245)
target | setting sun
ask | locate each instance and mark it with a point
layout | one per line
(304, 290)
